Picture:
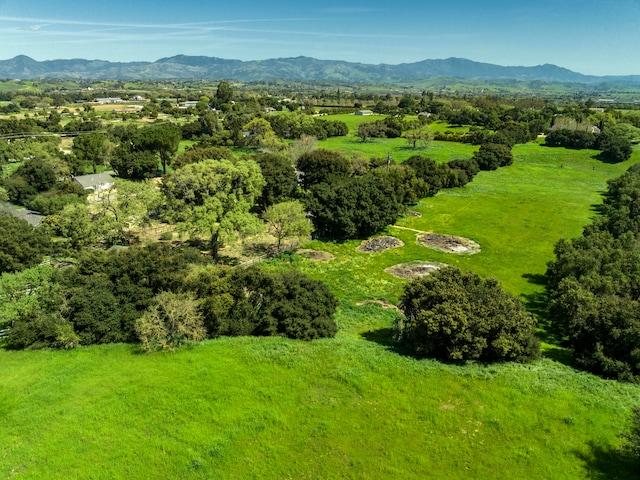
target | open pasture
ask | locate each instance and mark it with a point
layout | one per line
(273, 408)
(353, 406)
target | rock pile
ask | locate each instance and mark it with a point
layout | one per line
(379, 244)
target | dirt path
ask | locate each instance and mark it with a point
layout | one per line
(408, 229)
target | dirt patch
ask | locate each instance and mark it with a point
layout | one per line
(413, 270)
(383, 303)
(448, 243)
(315, 255)
(380, 244)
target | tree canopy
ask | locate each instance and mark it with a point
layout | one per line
(21, 245)
(455, 315)
(214, 198)
(594, 286)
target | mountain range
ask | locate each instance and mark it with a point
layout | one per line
(298, 68)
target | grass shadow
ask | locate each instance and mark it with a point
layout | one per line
(384, 337)
(559, 354)
(601, 157)
(607, 462)
(381, 336)
(537, 303)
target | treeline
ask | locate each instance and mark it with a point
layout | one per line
(355, 200)
(160, 295)
(594, 285)
(614, 149)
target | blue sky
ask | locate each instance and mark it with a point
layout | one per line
(592, 37)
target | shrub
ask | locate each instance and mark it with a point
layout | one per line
(172, 319)
(453, 315)
(254, 301)
(491, 156)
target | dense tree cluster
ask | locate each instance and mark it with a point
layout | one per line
(43, 184)
(614, 148)
(254, 301)
(162, 296)
(576, 139)
(455, 315)
(390, 127)
(491, 156)
(21, 245)
(354, 208)
(594, 285)
(456, 173)
(322, 166)
(354, 198)
(281, 181)
(294, 126)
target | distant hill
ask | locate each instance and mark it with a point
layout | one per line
(298, 68)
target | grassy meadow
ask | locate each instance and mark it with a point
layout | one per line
(352, 407)
(351, 145)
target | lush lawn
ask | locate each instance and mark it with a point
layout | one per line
(272, 408)
(399, 149)
(349, 407)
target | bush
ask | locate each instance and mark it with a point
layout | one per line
(491, 156)
(254, 301)
(172, 319)
(453, 315)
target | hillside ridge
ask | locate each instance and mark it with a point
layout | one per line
(294, 68)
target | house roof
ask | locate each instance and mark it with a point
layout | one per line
(34, 218)
(94, 180)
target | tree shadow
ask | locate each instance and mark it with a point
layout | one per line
(381, 336)
(561, 355)
(601, 157)
(384, 337)
(537, 303)
(607, 462)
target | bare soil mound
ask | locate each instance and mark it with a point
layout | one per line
(413, 270)
(315, 255)
(380, 244)
(448, 243)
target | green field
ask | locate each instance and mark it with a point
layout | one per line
(353, 406)
(272, 408)
(351, 145)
